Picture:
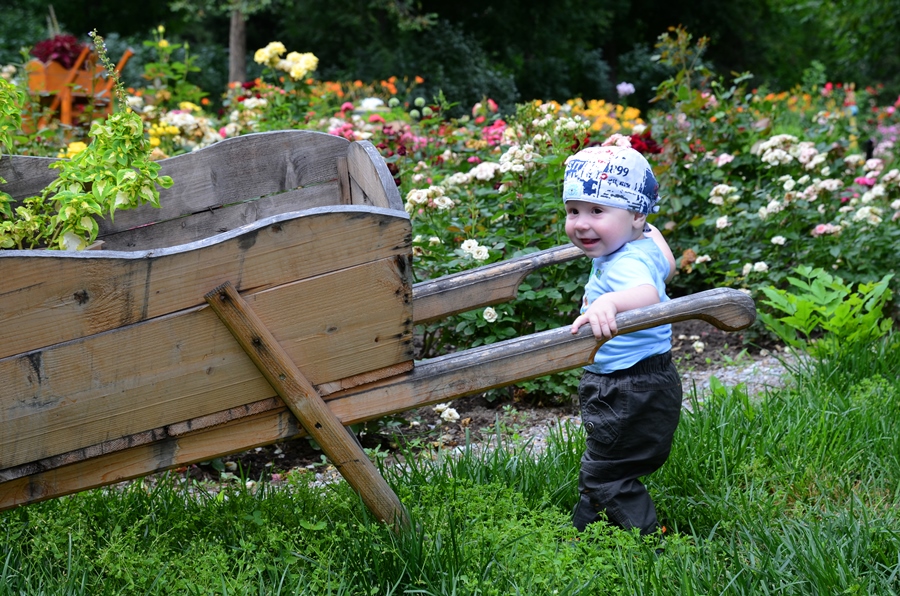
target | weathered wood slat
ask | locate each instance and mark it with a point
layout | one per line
(237, 169)
(371, 183)
(491, 284)
(199, 226)
(431, 381)
(59, 296)
(25, 175)
(226, 172)
(185, 365)
(303, 400)
(344, 181)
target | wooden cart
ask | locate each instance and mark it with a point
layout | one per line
(270, 297)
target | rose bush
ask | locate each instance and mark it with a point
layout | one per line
(754, 183)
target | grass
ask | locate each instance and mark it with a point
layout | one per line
(796, 492)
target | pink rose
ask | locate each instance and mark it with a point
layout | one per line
(724, 159)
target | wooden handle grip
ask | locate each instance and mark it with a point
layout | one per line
(725, 308)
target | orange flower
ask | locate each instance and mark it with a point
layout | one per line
(357, 83)
(389, 85)
(419, 80)
(204, 101)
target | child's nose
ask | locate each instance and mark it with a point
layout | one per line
(581, 222)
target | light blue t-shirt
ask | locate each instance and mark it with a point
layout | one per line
(637, 263)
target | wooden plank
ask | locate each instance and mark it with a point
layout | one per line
(196, 227)
(185, 365)
(25, 175)
(491, 284)
(165, 454)
(344, 181)
(236, 169)
(190, 426)
(226, 172)
(371, 175)
(431, 381)
(344, 451)
(59, 296)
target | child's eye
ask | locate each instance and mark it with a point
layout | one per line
(573, 211)
(596, 210)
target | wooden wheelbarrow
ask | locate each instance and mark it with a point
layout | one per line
(269, 298)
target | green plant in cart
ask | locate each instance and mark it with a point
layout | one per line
(825, 305)
(113, 172)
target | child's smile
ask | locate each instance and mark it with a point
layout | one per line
(599, 230)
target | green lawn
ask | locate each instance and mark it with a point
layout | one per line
(793, 492)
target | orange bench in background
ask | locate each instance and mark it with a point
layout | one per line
(63, 89)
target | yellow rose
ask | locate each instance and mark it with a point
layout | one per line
(163, 43)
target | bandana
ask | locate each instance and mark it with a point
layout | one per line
(612, 176)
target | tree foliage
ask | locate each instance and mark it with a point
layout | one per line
(522, 48)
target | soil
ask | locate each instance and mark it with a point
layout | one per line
(423, 428)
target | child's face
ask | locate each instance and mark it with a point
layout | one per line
(599, 230)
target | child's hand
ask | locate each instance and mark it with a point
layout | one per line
(601, 315)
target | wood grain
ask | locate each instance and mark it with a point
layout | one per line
(59, 296)
(371, 183)
(213, 221)
(490, 284)
(229, 171)
(344, 451)
(431, 381)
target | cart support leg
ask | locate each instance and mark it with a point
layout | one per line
(307, 405)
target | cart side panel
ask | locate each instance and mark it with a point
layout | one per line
(230, 172)
(47, 297)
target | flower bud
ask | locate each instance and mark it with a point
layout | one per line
(420, 101)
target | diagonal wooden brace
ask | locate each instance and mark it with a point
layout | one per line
(307, 405)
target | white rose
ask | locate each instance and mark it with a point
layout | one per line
(480, 253)
(450, 415)
(469, 245)
(489, 314)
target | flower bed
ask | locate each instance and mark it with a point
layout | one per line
(753, 183)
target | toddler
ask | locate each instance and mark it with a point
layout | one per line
(631, 395)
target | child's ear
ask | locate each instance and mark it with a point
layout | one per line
(640, 220)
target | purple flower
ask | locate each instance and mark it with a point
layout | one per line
(625, 89)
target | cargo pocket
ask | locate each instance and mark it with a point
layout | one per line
(600, 425)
